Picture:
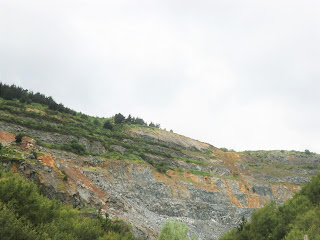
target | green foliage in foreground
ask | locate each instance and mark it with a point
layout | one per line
(25, 214)
(294, 219)
(174, 230)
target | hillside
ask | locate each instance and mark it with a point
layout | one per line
(144, 175)
(25, 214)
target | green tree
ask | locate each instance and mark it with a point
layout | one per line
(119, 118)
(307, 151)
(140, 121)
(129, 119)
(13, 228)
(152, 124)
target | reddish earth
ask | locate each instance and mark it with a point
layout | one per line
(7, 138)
(47, 159)
(75, 175)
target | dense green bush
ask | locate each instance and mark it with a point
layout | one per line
(25, 214)
(74, 147)
(108, 125)
(19, 137)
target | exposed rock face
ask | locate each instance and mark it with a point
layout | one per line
(145, 199)
(210, 193)
(168, 138)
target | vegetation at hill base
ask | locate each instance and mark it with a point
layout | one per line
(26, 214)
(292, 220)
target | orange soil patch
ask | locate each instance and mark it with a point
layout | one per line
(178, 190)
(244, 187)
(7, 138)
(202, 182)
(192, 177)
(176, 182)
(275, 189)
(47, 159)
(294, 188)
(234, 200)
(232, 156)
(36, 111)
(75, 175)
(232, 197)
(253, 200)
(230, 160)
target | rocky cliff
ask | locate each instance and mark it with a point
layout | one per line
(199, 184)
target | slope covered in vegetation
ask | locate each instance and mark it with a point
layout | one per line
(26, 214)
(296, 218)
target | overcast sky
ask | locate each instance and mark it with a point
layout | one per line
(236, 74)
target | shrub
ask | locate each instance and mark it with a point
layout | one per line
(74, 147)
(19, 137)
(208, 152)
(162, 167)
(174, 230)
(108, 125)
